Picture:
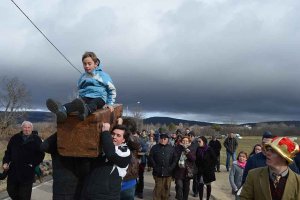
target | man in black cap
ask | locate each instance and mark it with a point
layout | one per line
(163, 159)
(258, 160)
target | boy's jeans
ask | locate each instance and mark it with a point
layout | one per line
(228, 155)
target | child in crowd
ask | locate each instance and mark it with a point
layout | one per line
(95, 89)
(236, 172)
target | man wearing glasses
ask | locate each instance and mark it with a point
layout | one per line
(276, 180)
(163, 159)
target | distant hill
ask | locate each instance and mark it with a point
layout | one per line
(288, 123)
(169, 120)
(38, 116)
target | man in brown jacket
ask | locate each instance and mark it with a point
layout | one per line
(276, 180)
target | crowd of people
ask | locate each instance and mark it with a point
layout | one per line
(182, 157)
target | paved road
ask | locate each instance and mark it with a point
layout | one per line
(220, 189)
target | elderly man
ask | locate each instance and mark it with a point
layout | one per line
(20, 159)
(276, 180)
(163, 159)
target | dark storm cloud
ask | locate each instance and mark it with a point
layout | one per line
(202, 60)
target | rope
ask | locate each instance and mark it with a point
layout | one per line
(47, 38)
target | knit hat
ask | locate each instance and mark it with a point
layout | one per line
(285, 147)
(164, 135)
(267, 134)
(191, 133)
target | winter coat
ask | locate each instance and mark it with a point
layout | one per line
(132, 174)
(68, 172)
(297, 161)
(259, 160)
(144, 149)
(163, 160)
(230, 144)
(257, 186)
(181, 173)
(255, 161)
(97, 85)
(216, 146)
(133, 167)
(235, 176)
(206, 165)
(23, 156)
(104, 181)
(194, 144)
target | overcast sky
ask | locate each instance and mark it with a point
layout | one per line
(204, 60)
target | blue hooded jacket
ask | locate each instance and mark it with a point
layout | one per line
(98, 84)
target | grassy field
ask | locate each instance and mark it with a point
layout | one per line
(245, 144)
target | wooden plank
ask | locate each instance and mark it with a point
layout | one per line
(81, 138)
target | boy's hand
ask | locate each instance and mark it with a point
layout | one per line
(119, 121)
(105, 127)
(5, 166)
(111, 108)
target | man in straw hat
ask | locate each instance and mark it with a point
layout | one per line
(276, 180)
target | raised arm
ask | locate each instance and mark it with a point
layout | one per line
(110, 150)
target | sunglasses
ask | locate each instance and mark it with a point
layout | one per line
(270, 149)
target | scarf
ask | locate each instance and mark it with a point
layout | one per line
(241, 164)
(185, 145)
(121, 151)
(201, 151)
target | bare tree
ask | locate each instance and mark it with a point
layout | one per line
(138, 115)
(14, 101)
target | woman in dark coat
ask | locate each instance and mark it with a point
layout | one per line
(184, 170)
(205, 161)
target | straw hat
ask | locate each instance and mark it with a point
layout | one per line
(285, 147)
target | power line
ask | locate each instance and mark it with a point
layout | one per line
(47, 38)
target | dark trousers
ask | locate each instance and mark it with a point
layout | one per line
(140, 183)
(195, 185)
(127, 194)
(18, 191)
(182, 188)
(92, 103)
(218, 163)
(208, 191)
(63, 197)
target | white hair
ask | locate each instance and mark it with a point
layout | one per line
(27, 123)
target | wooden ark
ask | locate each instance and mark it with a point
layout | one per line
(82, 138)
